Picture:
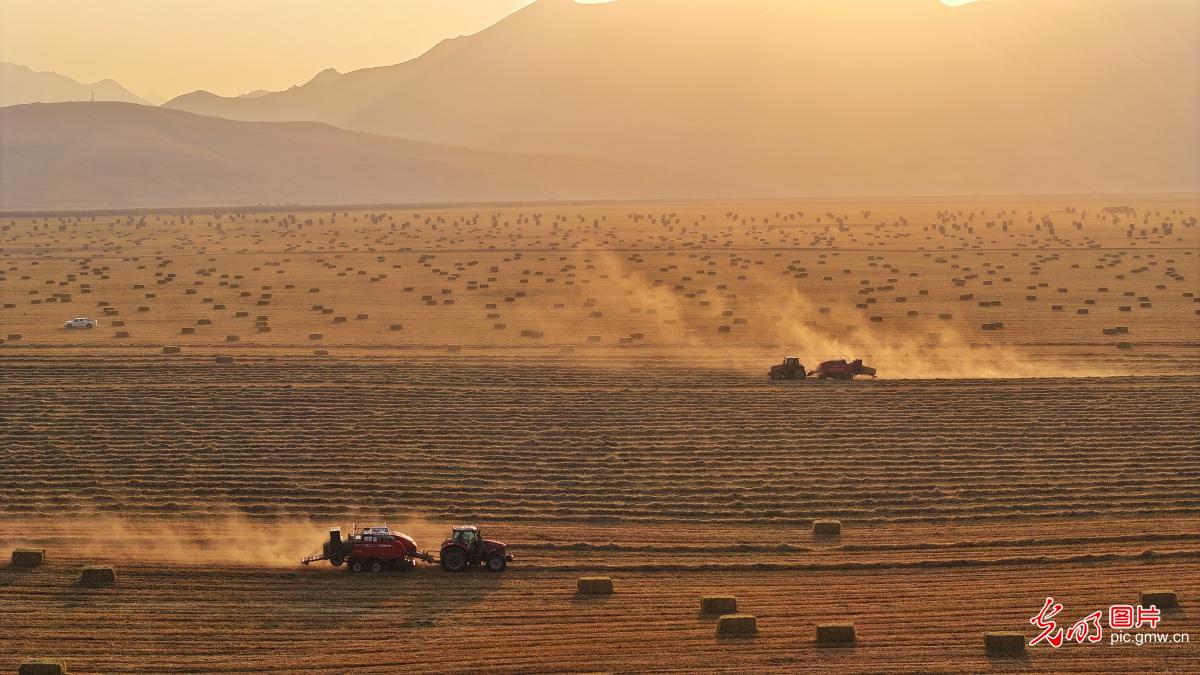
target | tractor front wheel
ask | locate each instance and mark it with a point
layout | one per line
(356, 566)
(454, 560)
(337, 561)
(496, 563)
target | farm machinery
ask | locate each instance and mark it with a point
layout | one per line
(375, 549)
(840, 369)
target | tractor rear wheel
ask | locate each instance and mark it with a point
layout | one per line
(496, 563)
(454, 560)
(356, 566)
(376, 566)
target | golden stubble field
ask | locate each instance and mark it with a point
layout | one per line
(588, 383)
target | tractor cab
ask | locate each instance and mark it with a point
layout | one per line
(467, 536)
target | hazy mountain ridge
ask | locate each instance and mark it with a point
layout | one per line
(117, 155)
(20, 84)
(810, 97)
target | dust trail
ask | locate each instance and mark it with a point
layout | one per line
(228, 539)
(784, 318)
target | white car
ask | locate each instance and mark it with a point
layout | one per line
(81, 322)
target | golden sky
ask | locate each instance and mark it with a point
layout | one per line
(162, 48)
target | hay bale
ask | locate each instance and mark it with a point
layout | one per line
(42, 667)
(188, 330)
(316, 336)
(171, 349)
(321, 352)
(737, 624)
(718, 604)
(225, 359)
(121, 334)
(1004, 643)
(836, 634)
(1124, 345)
(232, 338)
(97, 575)
(945, 317)
(1162, 599)
(28, 557)
(595, 585)
(396, 327)
(360, 317)
(826, 528)
(14, 336)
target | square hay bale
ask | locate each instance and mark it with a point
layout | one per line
(42, 667)
(171, 349)
(595, 585)
(321, 352)
(97, 575)
(28, 557)
(718, 604)
(836, 634)
(316, 336)
(737, 624)
(1004, 643)
(121, 334)
(225, 359)
(1162, 599)
(827, 528)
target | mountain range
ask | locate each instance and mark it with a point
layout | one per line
(20, 84)
(805, 97)
(117, 155)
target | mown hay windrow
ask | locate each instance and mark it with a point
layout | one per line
(737, 624)
(836, 634)
(595, 585)
(1004, 643)
(42, 667)
(1162, 599)
(97, 575)
(28, 557)
(718, 604)
(827, 528)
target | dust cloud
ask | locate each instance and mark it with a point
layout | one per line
(227, 539)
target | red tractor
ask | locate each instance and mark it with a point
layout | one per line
(375, 549)
(466, 547)
(841, 370)
(790, 369)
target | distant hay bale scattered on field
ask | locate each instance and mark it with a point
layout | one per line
(28, 557)
(532, 333)
(1124, 345)
(12, 337)
(737, 624)
(42, 667)
(321, 352)
(945, 317)
(232, 338)
(718, 604)
(1002, 643)
(1162, 599)
(121, 334)
(187, 330)
(396, 327)
(827, 528)
(360, 317)
(225, 359)
(97, 575)
(171, 349)
(454, 349)
(836, 634)
(595, 585)
(316, 336)
(339, 319)
(992, 326)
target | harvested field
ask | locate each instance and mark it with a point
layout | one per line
(609, 428)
